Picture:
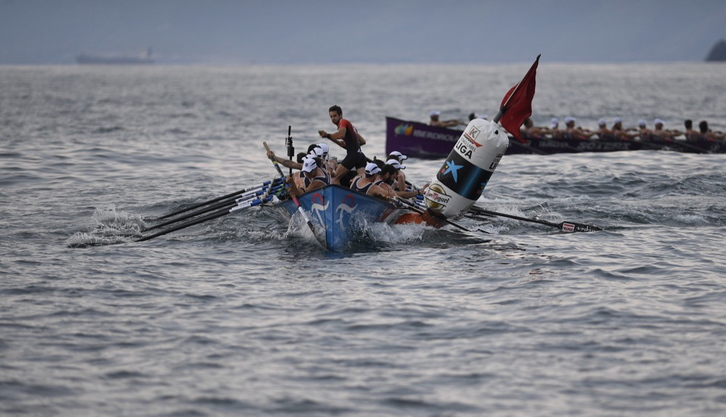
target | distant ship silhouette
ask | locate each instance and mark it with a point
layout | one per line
(143, 58)
(718, 52)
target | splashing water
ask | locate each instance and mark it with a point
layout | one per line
(110, 227)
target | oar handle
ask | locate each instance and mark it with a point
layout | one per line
(263, 191)
(274, 162)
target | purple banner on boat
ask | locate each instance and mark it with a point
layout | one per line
(419, 139)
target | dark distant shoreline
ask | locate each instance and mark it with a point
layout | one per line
(144, 58)
(718, 52)
(97, 60)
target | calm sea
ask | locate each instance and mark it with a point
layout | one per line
(245, 315)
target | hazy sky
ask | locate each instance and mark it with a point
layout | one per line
(375, 31)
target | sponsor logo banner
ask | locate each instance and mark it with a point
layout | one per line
(436, 197)
(406, 129)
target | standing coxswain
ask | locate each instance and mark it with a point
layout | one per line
(347, 137)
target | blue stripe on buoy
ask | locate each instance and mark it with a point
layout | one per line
(463, 177)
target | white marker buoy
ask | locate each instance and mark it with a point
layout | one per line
(462, 178)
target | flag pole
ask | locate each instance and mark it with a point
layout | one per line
(503, 107)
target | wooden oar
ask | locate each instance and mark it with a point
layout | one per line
(228, 203)
(568, 227)
(220, 213)
(294, 192)
(676, 143)
(689, 146)
(264, 191)
(527, 147)
(652, 146)
(221, 205)
(274, 162)
(224, 197)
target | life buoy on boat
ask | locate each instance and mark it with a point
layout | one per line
(465, 172)
(423, 217)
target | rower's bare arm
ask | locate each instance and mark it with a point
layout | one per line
(414, 193)
(289, 164)
(284, 162)
(336, 137)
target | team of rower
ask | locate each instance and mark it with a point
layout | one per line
(571, 131)
(378, 178)
(373, 177)
(641, 133)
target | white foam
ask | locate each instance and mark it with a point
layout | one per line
(109, 227)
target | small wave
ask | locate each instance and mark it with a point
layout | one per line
(110, 227)
(692, 219)
(376, 236)
(11, 180)
(176, 131)
(102, 130)
(395, 234)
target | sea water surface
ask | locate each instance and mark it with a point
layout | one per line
(246, 315)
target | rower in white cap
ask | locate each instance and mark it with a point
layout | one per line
(434, 120)
(621, 133)
(643, 132)
(314, 176)
(575, 132)
(400, 183)
(664, 134)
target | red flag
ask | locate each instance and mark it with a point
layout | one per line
(517, 103)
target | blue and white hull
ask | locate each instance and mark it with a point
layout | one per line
(341, 213)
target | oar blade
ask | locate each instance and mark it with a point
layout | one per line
(567, 227)
(570, 227)
(320, 239)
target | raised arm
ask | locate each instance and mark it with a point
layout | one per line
(284, 162)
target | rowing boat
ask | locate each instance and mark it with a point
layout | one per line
(431, 142)
(341, 214)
